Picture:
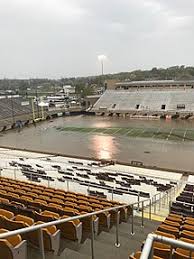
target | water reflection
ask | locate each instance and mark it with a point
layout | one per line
(104, 146)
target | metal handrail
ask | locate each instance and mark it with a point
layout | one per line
(56, 222)
(60, 221)
(147, 251)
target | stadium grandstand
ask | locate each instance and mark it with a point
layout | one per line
(13, 109)
(147, 98)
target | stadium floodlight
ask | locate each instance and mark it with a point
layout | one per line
(102, 58)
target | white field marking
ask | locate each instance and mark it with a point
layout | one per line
(170, 134)
(104, 131)
(116, 131)
(128, 132)
(154, 134)
(91, 131)
(139, 134)
(184, 134)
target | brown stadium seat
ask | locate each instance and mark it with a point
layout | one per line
(171, 223)
(27, 189)
(96, 206)
(71, 230)
(20, 192)
(189, 218)
(26, 200)
(70, 199)
(31, 194)
(41, 201)
(162, 250)
(57, 201)
(29, 221)
(60, 192)
(187, 234)
(54, 207)
(124, 213)
(13, 247)
(51, 237)
(169, 229)
(88, 209)
(92, 200)
(175, 219)
(50, 213)
(9, 189)
(82, 197)
(46, 216)
(138, 254)
(48, 194)
(50, 190)
(183, 254)
(70, 211)
(4, 200)
(83, 202)
(43, 197)
(13, 196)
(104, 220)
(188, 227)
(175, 215)
(86, 223)
(189, 222)
(38, 204)
(3, 191)
(165, 234)
(58, 196)
(38, 191)
(6, 213)
(70, 204)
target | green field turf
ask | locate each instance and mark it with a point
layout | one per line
(156, 133)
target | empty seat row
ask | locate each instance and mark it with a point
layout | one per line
(176, 227)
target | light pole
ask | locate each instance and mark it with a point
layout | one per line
(101, 59)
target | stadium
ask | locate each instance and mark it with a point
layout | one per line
(58, 203)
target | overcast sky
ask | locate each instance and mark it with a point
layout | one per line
(61, 38)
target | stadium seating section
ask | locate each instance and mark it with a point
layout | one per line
(178, 225)
(12, 106)
(24, 204)
(149, 100)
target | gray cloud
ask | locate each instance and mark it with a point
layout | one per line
(54, 38)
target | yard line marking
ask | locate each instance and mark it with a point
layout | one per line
(104, 131)
(93, 130)
(128, 132)
(154, 134)
(139, 134)
(170, 134)
(116, 131)
(184, 134)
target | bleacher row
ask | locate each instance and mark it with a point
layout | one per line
(184, 204)
(178, 225)
(24, 204)
(12, 106)
(144, 100)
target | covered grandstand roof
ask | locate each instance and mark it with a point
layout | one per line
(156, 83)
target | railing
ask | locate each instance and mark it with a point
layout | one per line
(147, 252)
(60, 221)
(155, 198)
(139, 206)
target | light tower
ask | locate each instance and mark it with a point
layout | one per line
(102, 58)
